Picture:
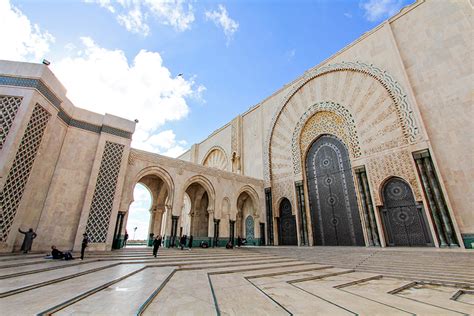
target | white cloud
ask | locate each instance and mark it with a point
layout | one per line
(221, 19)
(20, 39)
(134, 15)
(348, 15)
(103, 81)
(163, 142)
(107, 4)
(134, 22)
(376, 10)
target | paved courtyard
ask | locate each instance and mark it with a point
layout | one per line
(250, 281)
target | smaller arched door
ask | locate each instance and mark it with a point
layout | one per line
(249, 229)
(287, 224)
(403, 219)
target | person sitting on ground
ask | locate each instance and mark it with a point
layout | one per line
(57, 254)
(239, 241)
(229, 245)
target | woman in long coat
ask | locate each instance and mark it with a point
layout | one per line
(28, 241)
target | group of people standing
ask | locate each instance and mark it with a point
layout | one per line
(30, 235)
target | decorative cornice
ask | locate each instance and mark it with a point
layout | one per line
(39, 85)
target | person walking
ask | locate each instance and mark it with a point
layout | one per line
(28, 240)
(156, 245)
(190, 243)
(125, 238)
(182, 241)
(85, 241)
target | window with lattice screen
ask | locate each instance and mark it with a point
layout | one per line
(8, 108)
(12, 191)
(103, 198)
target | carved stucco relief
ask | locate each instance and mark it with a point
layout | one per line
(395, 102)
(397, 163)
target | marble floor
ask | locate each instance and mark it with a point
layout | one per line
(245, 281)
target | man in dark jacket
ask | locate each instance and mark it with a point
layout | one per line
(156, 245)
(28, 240)
(85, 242)
(190, 244)
(182, 241)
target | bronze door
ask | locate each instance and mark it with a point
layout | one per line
(287, 224)
(332, 199)
(404, 221)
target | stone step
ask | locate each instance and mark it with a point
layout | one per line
(44, 298)
(122, 298)
(291, 277)
(40, 267)
(284, 271)
(377, 290)
(436, 295)
(215, 265)
(20, 284)
(426, 276)
(325, 288)
(300, 302)
(444, 272)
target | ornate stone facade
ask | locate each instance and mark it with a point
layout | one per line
(393, 93)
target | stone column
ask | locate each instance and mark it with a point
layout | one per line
(373, 223)
(238, 229)
(440, 202)
(167, 225)
(151, 226)
(431, 202)
(256, 229)
(365, 210)
(210, 227)
(158, 220)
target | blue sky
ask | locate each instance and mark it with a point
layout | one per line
(123, 57)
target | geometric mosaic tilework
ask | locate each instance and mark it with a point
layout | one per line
(405, 114)
(12, 192)
(8, 108)
(103, 199)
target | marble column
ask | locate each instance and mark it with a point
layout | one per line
(440, 202)
(158, 221)
(365, 210)
(151, 226)
(370, 206)
(210, 227)
(431, 202)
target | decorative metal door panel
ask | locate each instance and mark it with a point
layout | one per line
(287, 224)
(249, 229)
(403, 219)
(333, 204)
